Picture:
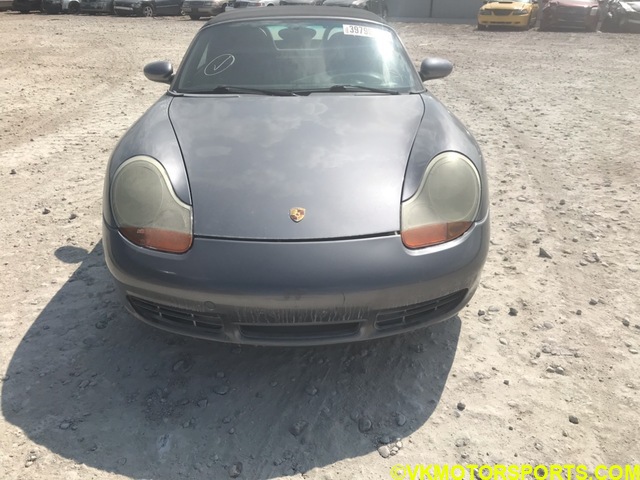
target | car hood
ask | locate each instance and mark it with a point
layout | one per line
(631, 6)
(250, 159)
(507, 5)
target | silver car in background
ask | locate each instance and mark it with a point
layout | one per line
(96, 6)
(196, 9)
(60, 6)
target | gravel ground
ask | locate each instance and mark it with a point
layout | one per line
(542, 367)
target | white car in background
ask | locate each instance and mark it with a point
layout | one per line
(61, 6)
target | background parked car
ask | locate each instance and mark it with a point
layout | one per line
(61, 6)
(96, 6)
(26, 6)
(301, 2)
(252, 3)
(147, 8)
(621, 15)
(5, 5)
(203, 8)
(378, 7)
(571, 13)
(523, 14)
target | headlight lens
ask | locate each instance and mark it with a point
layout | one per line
(520, 12)
(445, 205)
(146, 209)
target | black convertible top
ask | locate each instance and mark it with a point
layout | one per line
(253, 13)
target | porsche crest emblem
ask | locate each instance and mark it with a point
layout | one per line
(296, 214)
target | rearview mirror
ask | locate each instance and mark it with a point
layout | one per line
(161, 71)
(432, 68)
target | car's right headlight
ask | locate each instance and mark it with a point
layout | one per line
(147, 210)
(446, 203)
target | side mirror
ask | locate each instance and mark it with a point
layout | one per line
(432, 68)
(161, 71)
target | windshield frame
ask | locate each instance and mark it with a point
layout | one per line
(413, 84)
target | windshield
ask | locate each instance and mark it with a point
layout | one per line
(293, 55)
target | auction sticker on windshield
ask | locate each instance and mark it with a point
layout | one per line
(362, 31)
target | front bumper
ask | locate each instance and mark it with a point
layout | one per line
(52, 7)
(127, 9)
(576, 17)
(297, 293)
(95, 8)
(503, 20)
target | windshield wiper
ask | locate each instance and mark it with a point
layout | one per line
(222, 89)
(363, 88)
(349, 88)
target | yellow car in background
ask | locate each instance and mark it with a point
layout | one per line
(519, 14)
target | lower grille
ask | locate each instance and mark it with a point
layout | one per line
(299, 332)
(401, 317)
(572, 10)
(295, 324)
(175, 317)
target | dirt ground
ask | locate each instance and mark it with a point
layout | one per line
(88, 392)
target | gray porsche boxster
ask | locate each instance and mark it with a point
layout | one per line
(296, 185)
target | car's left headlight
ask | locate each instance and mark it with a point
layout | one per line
(520, 12)
(147, 210)
(446, 203)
